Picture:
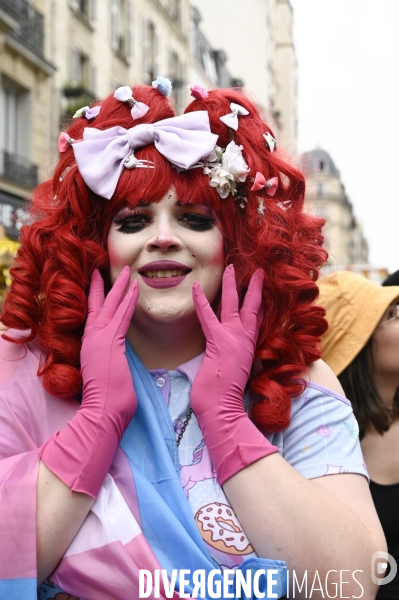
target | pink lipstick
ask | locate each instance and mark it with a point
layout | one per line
(163, 273)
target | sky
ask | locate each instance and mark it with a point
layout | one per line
(348, 104)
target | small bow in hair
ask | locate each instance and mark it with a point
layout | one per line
(260, 182)
(86, 111)
(124, 94)
(231, 119)
(64, 142)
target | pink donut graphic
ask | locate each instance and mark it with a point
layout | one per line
(220, 528)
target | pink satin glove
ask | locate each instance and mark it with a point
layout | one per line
(81, 453)
(217, 394)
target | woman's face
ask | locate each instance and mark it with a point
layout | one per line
(167, 246)
(385, 346)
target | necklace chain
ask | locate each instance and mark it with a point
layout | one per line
(184, 427)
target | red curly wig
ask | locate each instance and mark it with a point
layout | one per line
(65, 240)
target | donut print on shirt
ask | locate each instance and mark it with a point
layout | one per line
(220, 529)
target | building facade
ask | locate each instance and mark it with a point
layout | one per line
(25, 101)
(257, 41)
(25, 75)
(326, 197)
(208, 65)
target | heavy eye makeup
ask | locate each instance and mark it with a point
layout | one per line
(133, 221)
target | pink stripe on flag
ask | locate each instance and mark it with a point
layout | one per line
(18, 475)
(111, 571)
(122, 474)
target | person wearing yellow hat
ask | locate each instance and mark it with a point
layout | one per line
(362, 348)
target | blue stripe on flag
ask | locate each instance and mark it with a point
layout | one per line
(18, 589)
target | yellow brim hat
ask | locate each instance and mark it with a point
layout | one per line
(354, 306)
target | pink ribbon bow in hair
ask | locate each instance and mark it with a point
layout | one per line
(260, 182)
(101, 155)
(64, 141)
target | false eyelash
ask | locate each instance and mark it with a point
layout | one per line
(198, 222)
(119, 220)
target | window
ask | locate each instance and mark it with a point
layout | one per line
(16, 119)
(86, 9)
(82, 71)
(83, 7)
(15, 134)
(175, 10)
(79, 68)
(122, 27)
(176, 75)
(320, 190)
(150, 51)
(321, 210)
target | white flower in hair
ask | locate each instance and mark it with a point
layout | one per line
(220, 179)
(225, 167)
(234, 162)
(214, 156)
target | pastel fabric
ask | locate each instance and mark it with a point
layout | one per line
(322, 439)
(141, 518)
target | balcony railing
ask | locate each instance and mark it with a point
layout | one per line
(18, 169)
(31, 24)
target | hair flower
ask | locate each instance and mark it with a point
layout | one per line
(215, 156)
(124, 94)
(86, 111)
(225, 168)
(163, 85)
(234, 162)
(220, 179)
(198, 92)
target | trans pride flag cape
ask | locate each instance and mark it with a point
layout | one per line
(141, 519)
